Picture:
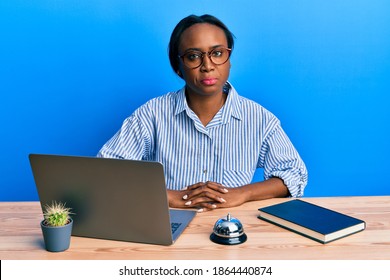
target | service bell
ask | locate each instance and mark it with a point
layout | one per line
(228, 231)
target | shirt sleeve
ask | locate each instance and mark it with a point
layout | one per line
(280, 159)
(132, 141)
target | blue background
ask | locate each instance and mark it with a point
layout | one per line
(71, 71)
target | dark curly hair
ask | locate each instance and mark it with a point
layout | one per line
(173, 47)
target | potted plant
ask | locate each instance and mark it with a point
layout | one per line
(56, 227)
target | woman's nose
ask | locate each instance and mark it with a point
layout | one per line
(207, 64)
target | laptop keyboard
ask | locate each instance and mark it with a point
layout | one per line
(175, 226)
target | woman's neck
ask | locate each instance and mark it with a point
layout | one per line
(206, 107)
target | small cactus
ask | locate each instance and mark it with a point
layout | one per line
(56, 214)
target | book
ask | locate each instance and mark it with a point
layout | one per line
(313, 221)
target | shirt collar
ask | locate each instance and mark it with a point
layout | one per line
(181, 102)
(232, 105)
(230, 109)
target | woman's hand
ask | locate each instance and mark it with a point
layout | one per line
(202, 196)
(211, 195)
(205, 196)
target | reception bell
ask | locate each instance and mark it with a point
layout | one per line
(228, 231)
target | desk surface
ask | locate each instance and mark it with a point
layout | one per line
(21, 236)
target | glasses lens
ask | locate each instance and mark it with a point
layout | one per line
(219, 56)
(193, 59)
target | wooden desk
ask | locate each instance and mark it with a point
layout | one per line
(21, 237)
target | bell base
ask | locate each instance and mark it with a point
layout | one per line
(228, 240)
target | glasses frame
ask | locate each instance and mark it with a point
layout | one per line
(203, 54)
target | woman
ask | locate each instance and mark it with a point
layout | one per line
(209, 139)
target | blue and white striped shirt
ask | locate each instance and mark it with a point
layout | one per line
(241, 137)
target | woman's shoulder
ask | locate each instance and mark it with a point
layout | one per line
(159, 105)
(253, 107)
(167, 98)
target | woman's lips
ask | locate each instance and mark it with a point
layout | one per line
(209, 81)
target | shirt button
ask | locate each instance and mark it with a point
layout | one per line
(205, 171)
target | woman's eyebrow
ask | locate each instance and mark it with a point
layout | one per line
(200, 50)
(192, 49)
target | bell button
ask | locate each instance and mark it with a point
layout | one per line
(228, 231)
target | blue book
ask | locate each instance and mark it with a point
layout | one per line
(313, 221)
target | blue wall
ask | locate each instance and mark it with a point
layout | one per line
(71, 71)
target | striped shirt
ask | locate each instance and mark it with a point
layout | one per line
(241, 137)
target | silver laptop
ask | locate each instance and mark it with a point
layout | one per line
(114, 199)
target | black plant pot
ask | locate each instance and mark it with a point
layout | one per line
(57, 239)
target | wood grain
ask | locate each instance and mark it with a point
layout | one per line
(21, 237)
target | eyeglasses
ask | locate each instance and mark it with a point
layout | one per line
(193, 59)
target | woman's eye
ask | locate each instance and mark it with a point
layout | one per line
(217, 53)
(193, 56)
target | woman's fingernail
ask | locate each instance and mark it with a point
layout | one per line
(222, 200)
(225, 190)
(200, 210)
(188, 203)
(185, 196)
(213, 206)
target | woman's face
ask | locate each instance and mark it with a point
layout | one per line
(209, 78)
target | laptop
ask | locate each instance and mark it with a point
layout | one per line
(124, 200)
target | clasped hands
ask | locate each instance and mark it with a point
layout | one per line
(206, 196)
